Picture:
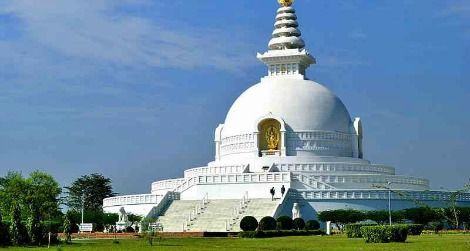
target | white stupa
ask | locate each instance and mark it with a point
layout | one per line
(286, 131)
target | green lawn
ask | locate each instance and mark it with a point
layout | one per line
(452, 242)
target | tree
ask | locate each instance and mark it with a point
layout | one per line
(133, 219)
(67, 229)
(34, 227)
(421, 215)
(12, 190)
(92, 189)
(4, 237)
(17, 233)
(341, 217)
(379, 216)
(42, 195)
(39, 193)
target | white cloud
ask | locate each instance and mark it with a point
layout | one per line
(97, 31)
(457, 8)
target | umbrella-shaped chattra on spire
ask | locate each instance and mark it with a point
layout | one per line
(286, 34)
(287, 55)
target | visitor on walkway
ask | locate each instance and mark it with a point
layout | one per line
(283, 190)
(272, 191)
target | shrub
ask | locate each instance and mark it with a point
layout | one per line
(270, 234)
(312, 225)
(415, 229)
(384, 234)
(354, 230)
(249, 223)
(299, 224)
(436, 226)
(285, 223)
(267, 223)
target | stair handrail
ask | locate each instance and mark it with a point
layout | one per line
(197, 210)
(237, 211)
(161, 206)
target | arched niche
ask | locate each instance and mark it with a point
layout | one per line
(270, 140)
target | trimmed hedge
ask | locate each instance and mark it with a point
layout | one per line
(270, 234)
(249, 223)
(415, 229)
(385, 234)
(354, 230)
(299, 224)
(267, 223)
(312, 225)
(285, 223)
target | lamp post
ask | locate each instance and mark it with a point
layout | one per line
(389, 202)
(83, 205)
(389, 188)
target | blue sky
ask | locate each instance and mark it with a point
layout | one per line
(134, 89)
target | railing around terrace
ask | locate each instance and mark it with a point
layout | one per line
(335, 167)
(214, 170)
(380, 195)
(242, 178)
(312, 182)
(167, 184)
(131, 200)
(371, 179)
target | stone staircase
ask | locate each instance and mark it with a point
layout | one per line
(213, 218)
(257, 208)
(216, 216)
(174, 218)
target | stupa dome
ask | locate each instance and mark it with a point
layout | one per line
(303, 105)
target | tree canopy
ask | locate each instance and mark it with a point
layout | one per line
(92, 189)
(39, 193)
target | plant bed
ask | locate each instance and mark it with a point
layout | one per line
(271, 234)
(354, 230)
(385, 234)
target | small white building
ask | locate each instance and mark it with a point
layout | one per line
(286, 131)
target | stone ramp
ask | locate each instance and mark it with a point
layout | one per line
(216, 216)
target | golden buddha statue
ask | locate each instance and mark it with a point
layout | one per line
(272, 138)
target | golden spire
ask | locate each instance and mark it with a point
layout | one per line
(285, 3)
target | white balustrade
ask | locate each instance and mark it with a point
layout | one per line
(131, 200)
(243, 178)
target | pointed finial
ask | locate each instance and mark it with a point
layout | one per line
(285, 3)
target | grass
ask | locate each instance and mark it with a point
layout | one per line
(454, 242)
